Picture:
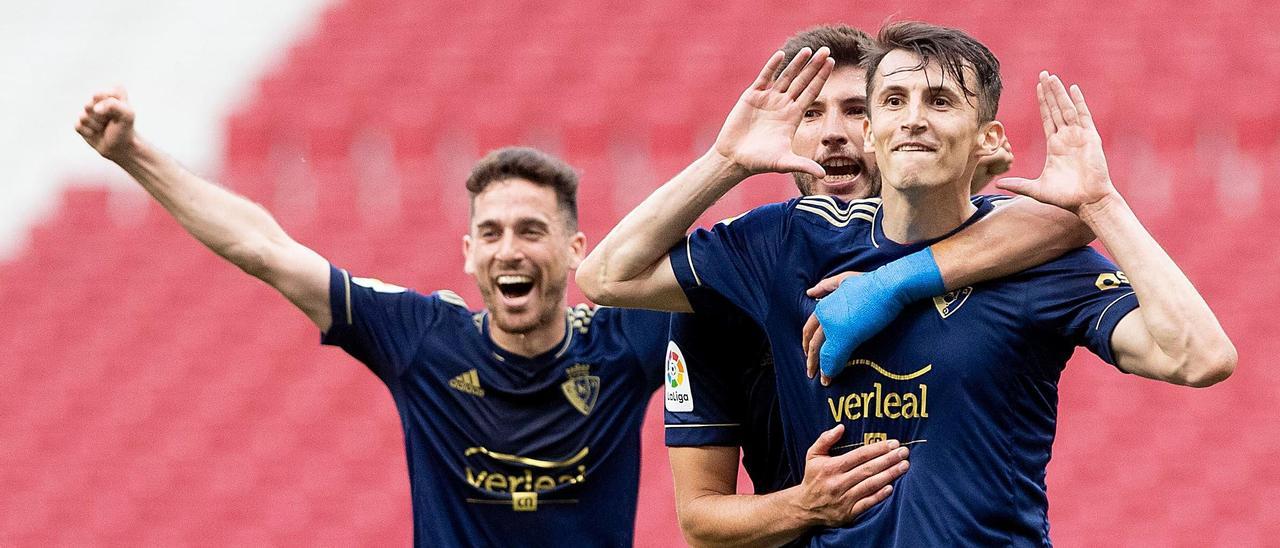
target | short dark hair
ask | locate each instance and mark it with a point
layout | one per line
(849, 46)
(951, 49)
(532, 165)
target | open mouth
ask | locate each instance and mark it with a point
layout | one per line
(514, 286)
(841, 168)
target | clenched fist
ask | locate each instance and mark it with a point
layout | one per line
(107, 124)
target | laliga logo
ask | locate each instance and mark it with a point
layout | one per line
(675, 368)
(678, 396)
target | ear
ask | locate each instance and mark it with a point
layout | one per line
(868, 146)
(577, 250)
(466, 255)
(991, 138)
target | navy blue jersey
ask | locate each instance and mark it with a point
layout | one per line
(732, 391)
(968, 380)
(502, 449)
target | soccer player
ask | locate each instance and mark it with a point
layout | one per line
(968, 379)
(521, 421)
(727, 362)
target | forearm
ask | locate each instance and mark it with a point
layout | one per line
(232, 226)
(1197, 351)
(1017, 236)
(640, 241)
(714, 519)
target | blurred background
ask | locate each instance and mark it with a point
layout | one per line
(152, 394)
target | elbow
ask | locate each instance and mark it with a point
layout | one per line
(1213, 367)
(591, 280)
(696, 531)
(254, 258)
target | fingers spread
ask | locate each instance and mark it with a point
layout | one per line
(793, 68)
(1051, 99)
(811, 91)
(809, 72)
(766, 74)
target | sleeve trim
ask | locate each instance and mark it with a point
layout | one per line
(1098, 325)
(688, 254)
(346, 286)
(717, 425)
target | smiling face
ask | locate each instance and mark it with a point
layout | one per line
(831, 134)
(923, 128)
(520, 249)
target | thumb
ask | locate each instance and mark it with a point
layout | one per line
(793, 163)
(1018, 185)
(822, 446)
(828, 285)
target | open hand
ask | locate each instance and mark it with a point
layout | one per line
(757, 134)
(1075, 169)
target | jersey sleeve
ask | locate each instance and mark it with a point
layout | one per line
(646, 333)
(380, 324)
(1081, 298)
(734, 259)
(707, 357)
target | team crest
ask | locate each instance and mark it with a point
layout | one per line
(582, 388)
(951, 301)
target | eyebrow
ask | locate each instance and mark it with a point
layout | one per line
(933, 90)
(519, 223)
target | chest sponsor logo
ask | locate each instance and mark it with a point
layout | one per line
(877, 402)
(951, 301)
(468, 382)
(678, 394)
(523, 482)
(582, 389)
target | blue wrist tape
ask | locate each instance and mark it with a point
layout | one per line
(864, 305)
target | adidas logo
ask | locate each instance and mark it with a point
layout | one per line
(468, 382)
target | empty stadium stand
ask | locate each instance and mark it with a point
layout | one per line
(151, 394)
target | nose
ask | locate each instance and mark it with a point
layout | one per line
(508, 248)
(914, 120)
(835, 131)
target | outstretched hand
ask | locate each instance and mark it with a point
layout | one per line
(757, 134)
(1075, 169)
(107, 124)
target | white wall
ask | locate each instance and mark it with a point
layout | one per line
(186, 64)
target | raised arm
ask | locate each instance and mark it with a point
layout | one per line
(629, 267)
(1174, 336)
(233, 227)
(834, 491)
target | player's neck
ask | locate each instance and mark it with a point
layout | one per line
(917, 214)
(533, 343)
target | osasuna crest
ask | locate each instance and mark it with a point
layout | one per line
(582, 388)
(948, 303)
